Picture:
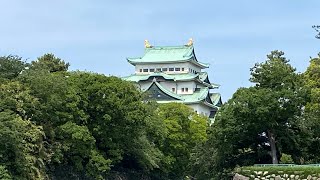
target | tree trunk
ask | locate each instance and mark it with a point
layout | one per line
(272, 142)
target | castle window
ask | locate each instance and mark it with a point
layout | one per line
(177, 69)
(171, 69)
(173, 89)
(151, 70)
(187, 89)
(164, 69)
(140, 70)
(182, 89)
(145, 70)
(182, 69)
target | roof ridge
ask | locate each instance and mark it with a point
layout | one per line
(177, 46)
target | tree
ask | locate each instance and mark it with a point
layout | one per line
(50, 63)
(279, 77)
(11, 66)
(88, 119)
(184, 130)
(68, 140)
(312, 109)
(22, 149)
(4, 174)
(119, 120)
(258, 123)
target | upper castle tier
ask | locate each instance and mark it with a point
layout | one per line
(173, 74)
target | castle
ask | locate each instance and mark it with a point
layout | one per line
(173, 74)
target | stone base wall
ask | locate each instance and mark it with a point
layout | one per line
(280, 175)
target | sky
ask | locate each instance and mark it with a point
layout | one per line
(98, 35)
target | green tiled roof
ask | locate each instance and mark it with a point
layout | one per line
(168, 54)
(203, 75)
(196, 97)
(215, 97)
(175, 77)
(144, 77)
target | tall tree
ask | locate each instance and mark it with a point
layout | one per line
(279, 77)
(258, 123)
(312, 110)
(50, 63)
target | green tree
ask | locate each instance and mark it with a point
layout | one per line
(11, 66)
(258, 123)
(312, 109)
(93, 122)
(22, 149)
(68, 139)
(50, 63)
(184, 130)
(279, 77)
(4, 174)
(119, 120)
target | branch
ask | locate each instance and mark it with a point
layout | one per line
(317, 28)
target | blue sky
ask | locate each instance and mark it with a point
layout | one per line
(98, 35)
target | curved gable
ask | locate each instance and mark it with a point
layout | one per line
(156, 91)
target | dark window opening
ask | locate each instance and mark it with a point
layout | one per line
(151, 70)
(212, 114)
(182, 69)
(164, 69)
(145, 70)
(177, 69)
(171, 69)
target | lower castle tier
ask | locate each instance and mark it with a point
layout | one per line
(173, 74)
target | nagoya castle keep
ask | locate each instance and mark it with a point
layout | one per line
(173, 74)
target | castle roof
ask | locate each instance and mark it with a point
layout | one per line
(201, 95)
(201, 77)
(168, 54)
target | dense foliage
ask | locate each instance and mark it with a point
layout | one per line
(277, 116)
(56, 124)
(60, 124)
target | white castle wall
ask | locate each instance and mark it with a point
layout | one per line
(139, 69)
(191, 85)
(201, 109)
